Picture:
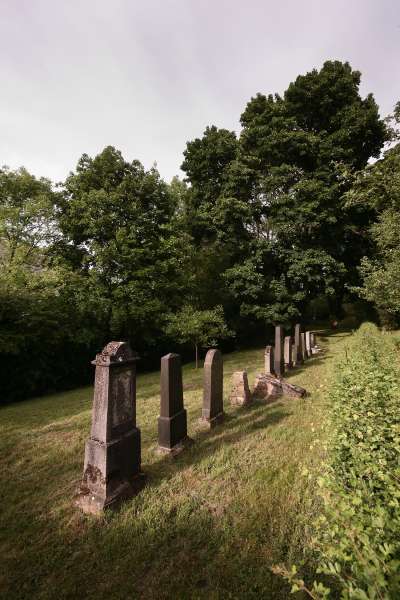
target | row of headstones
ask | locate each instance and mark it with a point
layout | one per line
(112, 467)
(289, 352)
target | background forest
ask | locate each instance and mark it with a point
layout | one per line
(289, 220)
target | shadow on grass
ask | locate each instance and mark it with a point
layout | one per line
(259, 415)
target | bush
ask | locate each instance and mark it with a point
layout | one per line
(358, 532)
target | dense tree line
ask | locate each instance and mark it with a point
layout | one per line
(265, 225)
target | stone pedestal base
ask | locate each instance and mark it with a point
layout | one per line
(172, 430)
(213, 421)
(111, 472)
(178, 448)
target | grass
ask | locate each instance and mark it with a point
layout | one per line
(208, 524)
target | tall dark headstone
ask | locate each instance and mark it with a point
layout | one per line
(172, 422)
(298, 344)
(288, 352)
(112, 455)
(278, 360)
(213, 401)
(269, 360)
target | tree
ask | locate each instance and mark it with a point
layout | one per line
(378, 186)
(275, 206)
(200, 328)
(121, 235)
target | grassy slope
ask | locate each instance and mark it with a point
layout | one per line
(208, 524)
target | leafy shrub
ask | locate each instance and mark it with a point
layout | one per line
(358, 532)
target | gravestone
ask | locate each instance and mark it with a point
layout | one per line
(288, 359)
(298, 344)
(268, 387)
(294, 355)
(213, 402)
(172, 422)
(269, 360)
(308, 342)
(279, 367)
(111, 470)
(240, 394)
(303, 346)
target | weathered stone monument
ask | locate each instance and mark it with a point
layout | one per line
(303, 346)
(298, 344)
(111, 470)
(288, 359)
(312, 339)
(269, 360)
(172, 422)
(213, 402)
(294, 355)
(279, 366)
(268, 387)
(308, 342)
(240, 394)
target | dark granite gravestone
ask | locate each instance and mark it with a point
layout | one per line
(288, 352)
(298, 344)
(269, 360)
(213, 402)
(112, 455)
(308, 342)
(172, 422)
(279, 366)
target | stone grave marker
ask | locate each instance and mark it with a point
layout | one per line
(172, 422)
(303, 346)
(298, 344)
(308, 342)
(213, 402)
(288, 359)
(269, 360)
(240, 394)
(111, 470)
(279, 367)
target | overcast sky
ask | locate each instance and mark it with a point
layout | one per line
(147, 76)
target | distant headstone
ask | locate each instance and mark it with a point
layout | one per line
(240, 394)
(111, 470)
(279, 366)
(269, 360)
(294, 355)
(303, 346)
(308, 342)
(213, 403)
(298, 344)
(172, 422)
(288, 359)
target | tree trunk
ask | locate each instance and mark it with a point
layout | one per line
(197, 356)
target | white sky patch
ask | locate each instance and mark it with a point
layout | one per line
(147, 77)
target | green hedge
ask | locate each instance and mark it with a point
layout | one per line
(359, 531)
(357, 539)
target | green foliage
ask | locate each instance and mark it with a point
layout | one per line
(379, 186)
(200, 328)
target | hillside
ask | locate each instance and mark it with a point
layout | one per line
(209, 524)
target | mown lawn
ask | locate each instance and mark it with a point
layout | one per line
(209, 523)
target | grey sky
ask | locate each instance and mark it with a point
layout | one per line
(146, 77)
